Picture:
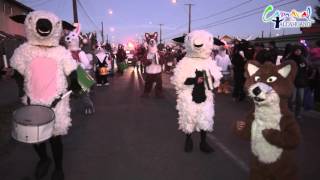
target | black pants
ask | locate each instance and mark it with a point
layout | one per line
(101, 79)
(150, 79)
(238, 91)
(56, 148)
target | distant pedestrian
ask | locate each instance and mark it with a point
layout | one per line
(314, 60)
(287, 52)
(121, 57)
(238, 61)
(301, 80)
(223, 61)
(258, 48)
(180, 54)
(272, 51)
(168, 59)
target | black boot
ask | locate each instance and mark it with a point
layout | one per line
(188, 146)
(57, 175)
(57, 152)
(44, 162)
(204, 146)
(42, 168)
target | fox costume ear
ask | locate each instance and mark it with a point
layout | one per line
(155, 34)
(288, 70)
(147, 35)
(251, 68)
(18, 18)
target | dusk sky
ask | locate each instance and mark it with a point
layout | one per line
(132, 18)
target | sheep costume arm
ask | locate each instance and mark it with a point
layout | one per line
(18, 58)
(186, 69)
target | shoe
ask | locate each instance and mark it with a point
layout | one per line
(99, 84)
(188, 146)
(42, 168)
(206, 148)
(106, 84)
(57, 175)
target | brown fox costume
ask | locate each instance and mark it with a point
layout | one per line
(270, 126)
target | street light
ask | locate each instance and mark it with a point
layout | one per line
(110, 12)
(189, 18)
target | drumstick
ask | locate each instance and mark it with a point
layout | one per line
(66, 94)
(5, 61)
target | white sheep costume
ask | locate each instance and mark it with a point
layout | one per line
(45, 65)
(195, 116)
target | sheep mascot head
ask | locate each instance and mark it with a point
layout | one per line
(42, 28)
(199, 44)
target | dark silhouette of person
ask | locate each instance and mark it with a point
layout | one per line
(277, 20)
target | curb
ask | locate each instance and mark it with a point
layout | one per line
(311, 114)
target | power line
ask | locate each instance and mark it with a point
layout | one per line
(231, 19)
(88, 16)
(222, 11)
(215, 14)
(238, 16)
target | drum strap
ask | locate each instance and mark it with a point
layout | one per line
(53, 104)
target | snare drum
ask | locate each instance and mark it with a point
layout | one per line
(103, 71)
(33, 124)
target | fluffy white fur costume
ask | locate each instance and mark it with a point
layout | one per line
(193, 116)
(45, 65)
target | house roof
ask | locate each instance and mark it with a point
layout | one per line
(19, 4)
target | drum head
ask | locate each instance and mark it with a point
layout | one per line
(33, 115)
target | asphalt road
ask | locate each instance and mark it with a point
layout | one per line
(132, 138)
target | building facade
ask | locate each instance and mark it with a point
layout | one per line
(9, 8)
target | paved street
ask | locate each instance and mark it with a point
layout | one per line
(130, 138)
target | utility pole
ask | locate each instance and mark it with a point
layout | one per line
(270, 30)
(262, 34)
(102, 33)
(160, 33)
(75, 11)
(189, 27)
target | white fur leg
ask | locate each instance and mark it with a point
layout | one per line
(62, 117)
(195, 117)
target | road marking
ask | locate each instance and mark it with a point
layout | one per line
(232, 156)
